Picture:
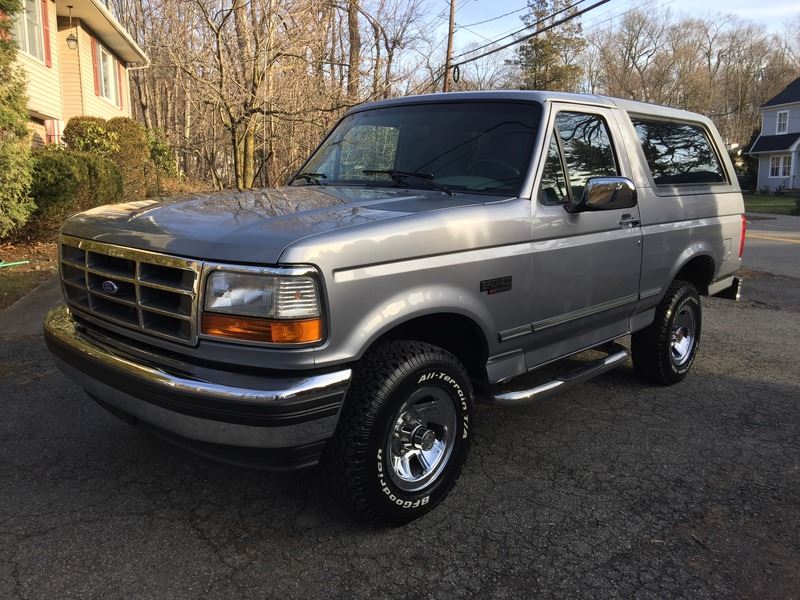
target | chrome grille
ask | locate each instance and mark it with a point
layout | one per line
(150, 292)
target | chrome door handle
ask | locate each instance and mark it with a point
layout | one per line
(629, 221)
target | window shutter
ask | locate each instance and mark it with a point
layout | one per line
(48, 60)
(95, 68)
(120, 87)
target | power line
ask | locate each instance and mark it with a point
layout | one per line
(652, 5)
(434, 77)
(535, 33)
(473, 32)
(511, 12)
(520, 30)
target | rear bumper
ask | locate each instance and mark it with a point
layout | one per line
(285, 420)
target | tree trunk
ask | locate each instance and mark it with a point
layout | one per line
(354, 59)
(249, 156)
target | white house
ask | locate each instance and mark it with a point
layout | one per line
(778, 145)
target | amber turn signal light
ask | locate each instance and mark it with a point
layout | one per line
(255, 329)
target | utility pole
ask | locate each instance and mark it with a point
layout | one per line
(446, 84)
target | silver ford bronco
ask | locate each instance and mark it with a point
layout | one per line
(429, 244)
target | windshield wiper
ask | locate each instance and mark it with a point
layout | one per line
(401, 176)
(312, 178)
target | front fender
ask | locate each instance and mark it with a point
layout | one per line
(355, 335)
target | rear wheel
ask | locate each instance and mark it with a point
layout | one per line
(665, 350)
(403, 435)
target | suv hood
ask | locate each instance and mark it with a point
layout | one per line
(251, 226)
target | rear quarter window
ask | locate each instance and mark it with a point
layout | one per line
(678, 153)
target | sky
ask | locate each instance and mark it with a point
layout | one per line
(770, 13)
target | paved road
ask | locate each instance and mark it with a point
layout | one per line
(773, 244)
(615, 489)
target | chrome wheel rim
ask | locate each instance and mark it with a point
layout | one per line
(684, 334)
(421, 439)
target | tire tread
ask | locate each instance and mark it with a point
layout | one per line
(648, 345)
(346, 460)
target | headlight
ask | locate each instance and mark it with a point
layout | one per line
(262, 307)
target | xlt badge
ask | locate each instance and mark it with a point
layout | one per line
(494, 286)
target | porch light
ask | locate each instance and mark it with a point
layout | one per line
(72, 39)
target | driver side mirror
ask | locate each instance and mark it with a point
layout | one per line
(605, 193)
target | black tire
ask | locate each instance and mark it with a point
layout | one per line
(395, 380)
(660, 357)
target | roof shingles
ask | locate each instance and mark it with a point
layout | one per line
(791, 93)
(774, 143)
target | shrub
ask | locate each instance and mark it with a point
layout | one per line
(15, 175)
(66, 182)
(131, 156)
(161, 154)
(90, 134)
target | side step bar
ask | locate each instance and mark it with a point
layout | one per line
(617, 356)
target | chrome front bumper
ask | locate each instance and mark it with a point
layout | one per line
(287, 412)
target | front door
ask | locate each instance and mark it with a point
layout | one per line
(586, 266)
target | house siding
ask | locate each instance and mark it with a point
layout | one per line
(78, 80)
(770, 184)
(43, 82)
(769, 123)
(71, 91)
(769, 119)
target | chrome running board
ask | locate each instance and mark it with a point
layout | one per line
(617, 355)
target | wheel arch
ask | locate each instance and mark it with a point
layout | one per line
(698, 270)
(455, 332)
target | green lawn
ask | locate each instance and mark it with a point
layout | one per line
(777, 205)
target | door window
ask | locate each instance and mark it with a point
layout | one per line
(580, 148)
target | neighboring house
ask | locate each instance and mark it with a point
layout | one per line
(778, 145)
(76, 57)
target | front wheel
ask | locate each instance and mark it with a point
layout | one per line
(664, 351)
(404, 431)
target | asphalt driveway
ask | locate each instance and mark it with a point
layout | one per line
(616, 489)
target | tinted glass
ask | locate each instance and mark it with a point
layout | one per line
(678, 153)
(482, 147)
(588, 153)
(587, 149)
(553, 189)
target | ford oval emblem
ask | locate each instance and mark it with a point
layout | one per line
(109, 287)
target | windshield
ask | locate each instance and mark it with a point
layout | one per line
(482, 147)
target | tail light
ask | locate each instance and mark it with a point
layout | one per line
(744, 233)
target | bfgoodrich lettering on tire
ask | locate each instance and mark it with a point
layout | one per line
(665, 350)
(404, 432)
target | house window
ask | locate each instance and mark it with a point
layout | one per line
(780, 166)
(783, 122)
(28, 30)
(108, 84)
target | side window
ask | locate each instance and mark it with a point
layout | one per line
(678, 153)
(587, 152)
